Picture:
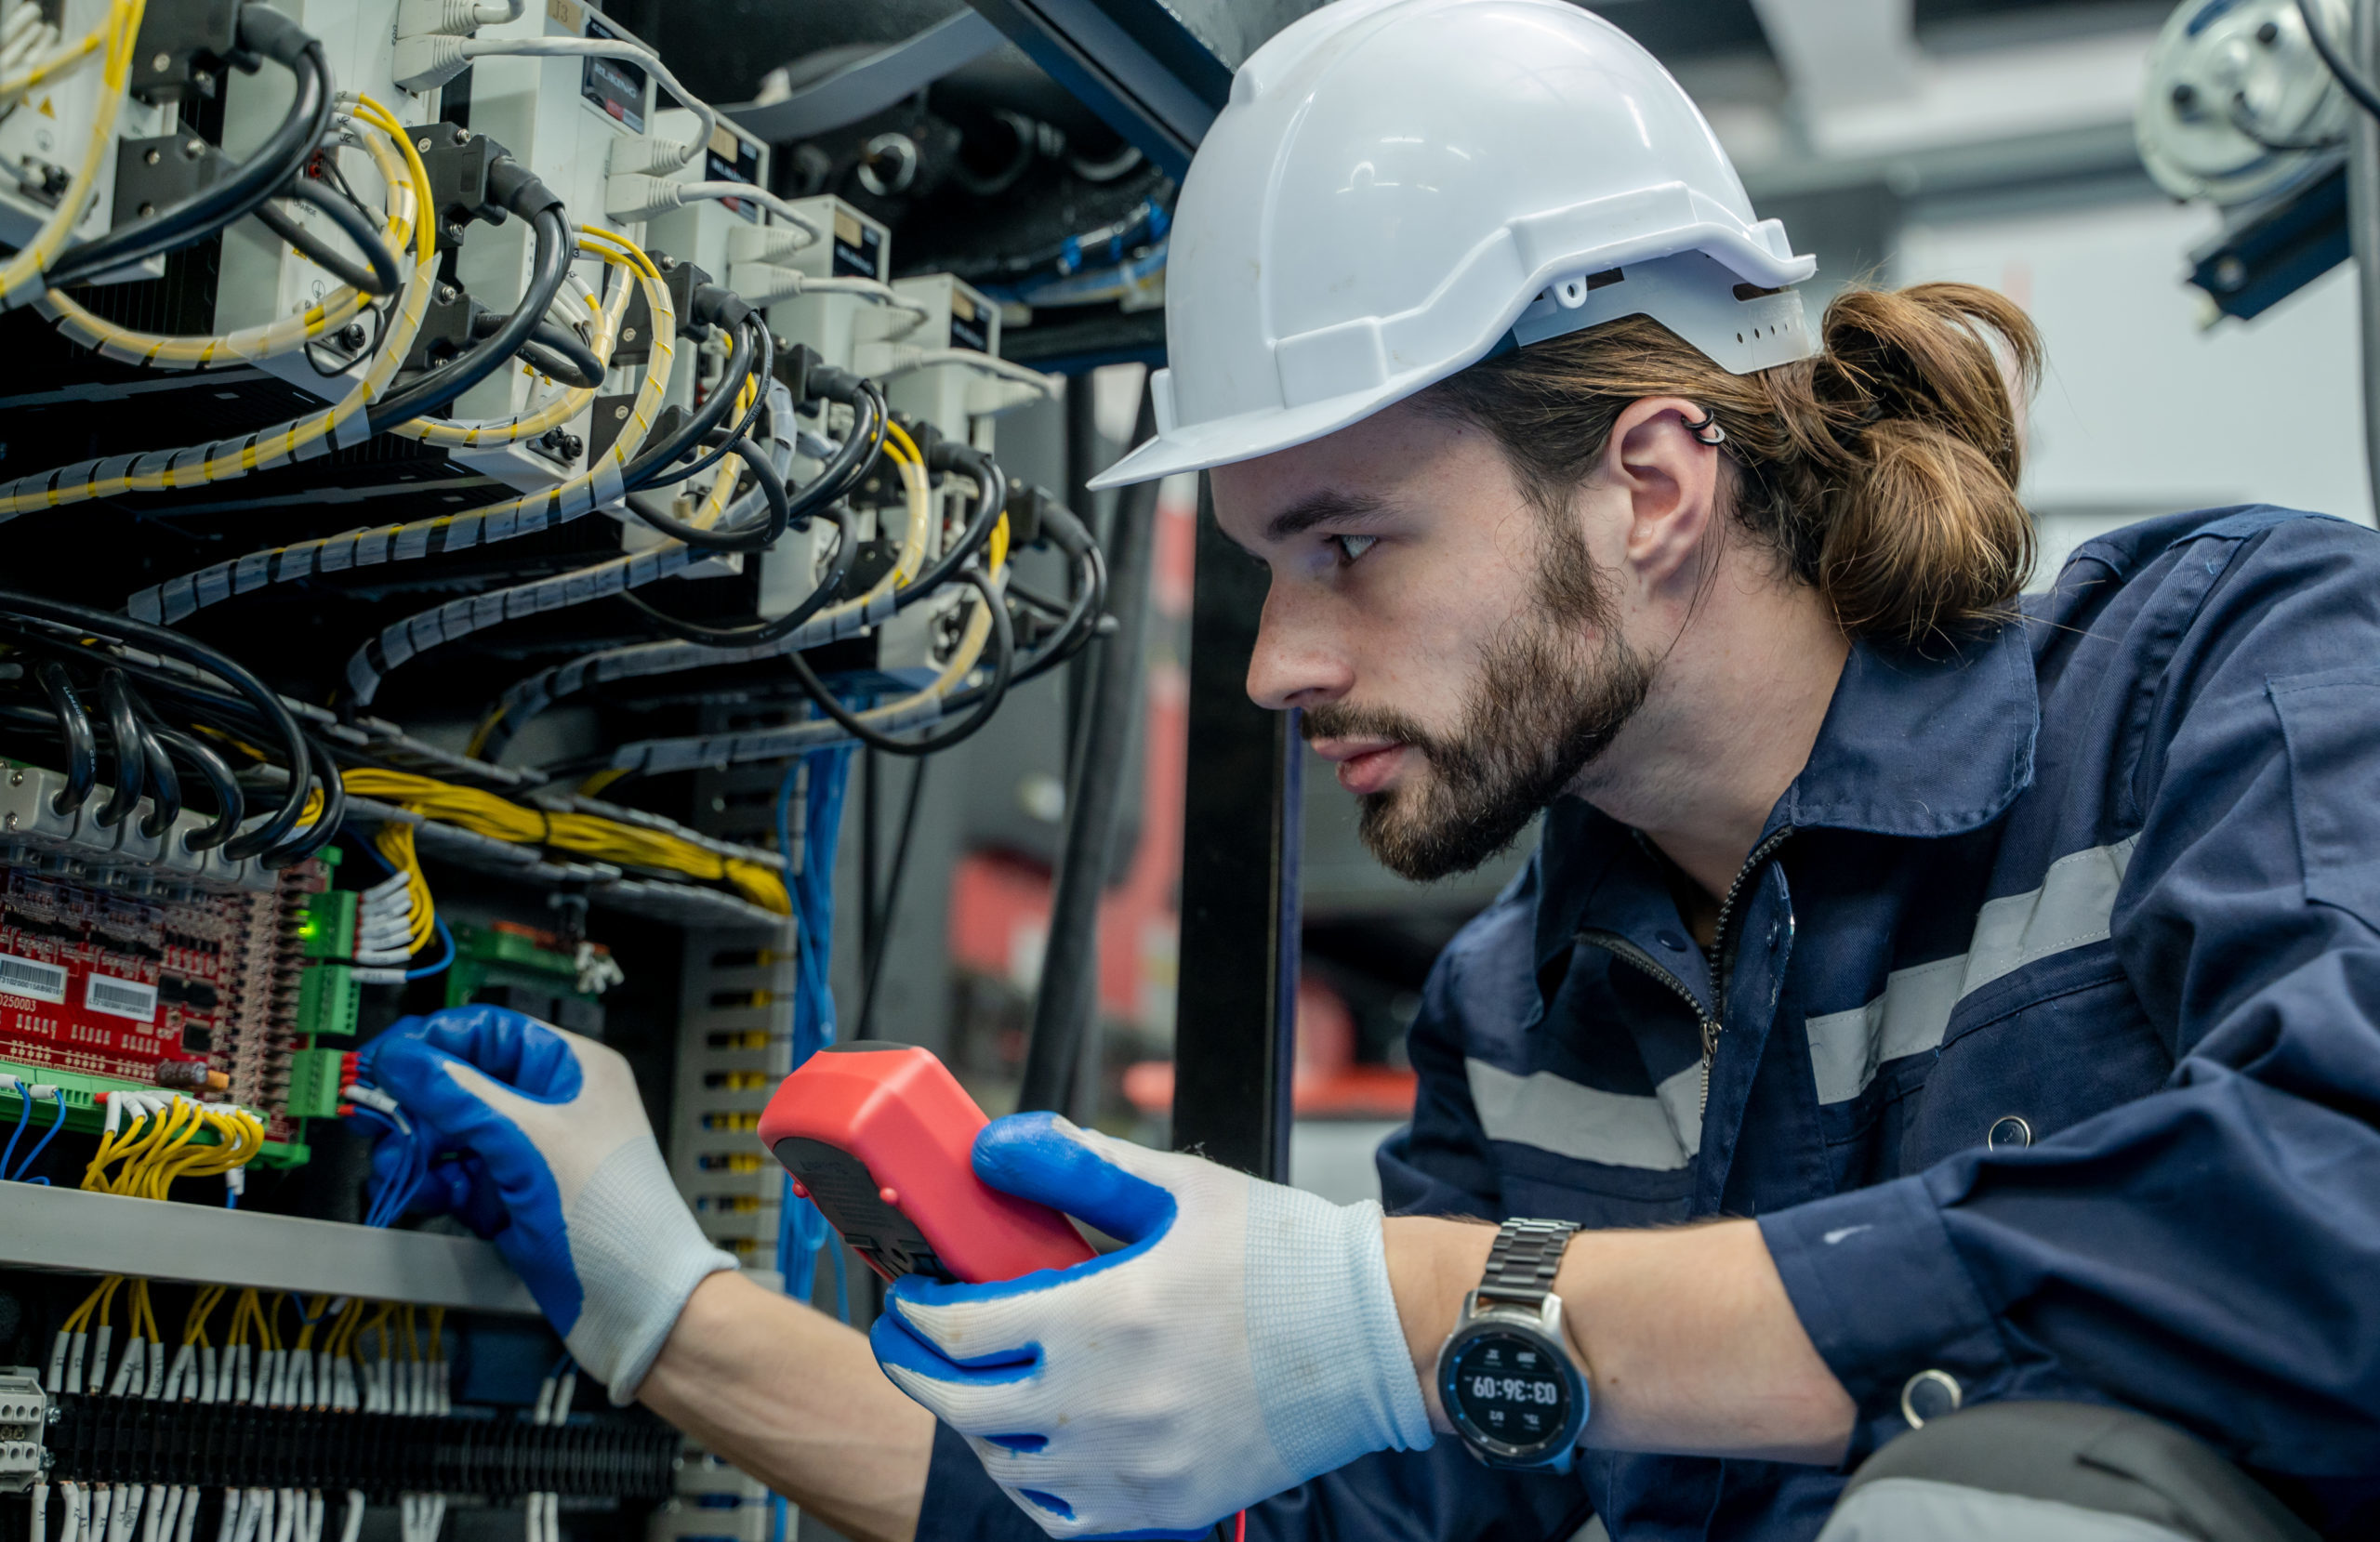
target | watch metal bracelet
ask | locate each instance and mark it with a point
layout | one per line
(1523, 1261)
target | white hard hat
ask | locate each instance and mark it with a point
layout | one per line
(1398, 188)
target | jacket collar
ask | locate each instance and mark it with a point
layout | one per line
(1922, 747)
(1913, 747)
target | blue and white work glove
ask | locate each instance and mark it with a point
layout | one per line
(1244, 1340)
(541, 1145)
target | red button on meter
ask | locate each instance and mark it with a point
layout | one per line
(880, 1135)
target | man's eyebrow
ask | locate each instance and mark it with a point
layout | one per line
(1318, 508)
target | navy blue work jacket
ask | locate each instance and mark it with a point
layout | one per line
(2044, 1037)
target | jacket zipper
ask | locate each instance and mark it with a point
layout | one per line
(1722, 949)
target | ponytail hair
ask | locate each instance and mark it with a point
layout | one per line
(1882, 473)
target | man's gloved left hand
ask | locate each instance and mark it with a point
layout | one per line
(1244, 1340)
(539, 1142)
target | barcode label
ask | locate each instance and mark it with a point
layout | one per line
(104, 993)
(31, 977)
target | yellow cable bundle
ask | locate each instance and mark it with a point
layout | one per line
(268, 339)
(394, 842)
(564, 407)
(587, 834)
(228, 458)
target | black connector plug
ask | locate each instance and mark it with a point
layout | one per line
(513, 185)
(714, 306)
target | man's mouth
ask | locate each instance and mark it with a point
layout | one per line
(1365, 765)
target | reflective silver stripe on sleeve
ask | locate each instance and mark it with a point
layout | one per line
(1619, 1130)
(2072, 909)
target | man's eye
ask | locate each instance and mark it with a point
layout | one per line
(1353, 546)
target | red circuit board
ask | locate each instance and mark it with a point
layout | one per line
(107, 984)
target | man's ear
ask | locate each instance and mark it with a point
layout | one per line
(1671, 479)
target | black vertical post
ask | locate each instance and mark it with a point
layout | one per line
(1235, 1023)
(1061, 1054)
(1085, 459)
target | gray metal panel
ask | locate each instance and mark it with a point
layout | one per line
(68, 1229)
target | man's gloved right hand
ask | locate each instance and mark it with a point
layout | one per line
(540, 1143)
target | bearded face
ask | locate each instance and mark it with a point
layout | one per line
(1549, 693)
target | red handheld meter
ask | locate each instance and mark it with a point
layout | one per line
(878, 1136)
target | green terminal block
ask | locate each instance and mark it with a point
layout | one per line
(314, 1083)
(86, 1113)
(328, 998)
(328, 929)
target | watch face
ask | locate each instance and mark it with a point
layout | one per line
(1510, 1392)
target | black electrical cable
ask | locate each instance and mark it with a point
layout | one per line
(654, 459)
(760, 537)
(172, 644)
(2349, 78)
(379, 275)
(128, 750)
(552, 350)
(82, 744)
(283, 156)
(438, 387)
(871, 424)
(564, 355)
(830, 585)
(165, 787)
(763, 367)
(883, 928)
(1081, 624)
(991, 502)
(216, 773)
(1003, 674)
(325, 828)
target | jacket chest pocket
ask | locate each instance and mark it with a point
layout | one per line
(2034, 1053)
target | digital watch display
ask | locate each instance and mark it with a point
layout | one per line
(1505, 1376)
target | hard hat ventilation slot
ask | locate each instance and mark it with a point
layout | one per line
(1754, 292)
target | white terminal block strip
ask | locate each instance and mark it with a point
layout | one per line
(24, 1422)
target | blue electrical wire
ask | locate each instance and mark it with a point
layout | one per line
(46, 1136)
(801, 1231)
(24, 1113)
(446, 960)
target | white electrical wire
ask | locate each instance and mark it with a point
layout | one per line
(425, 62)
(968, 358)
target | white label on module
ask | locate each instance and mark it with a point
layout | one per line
(31, 976)
(105, 993)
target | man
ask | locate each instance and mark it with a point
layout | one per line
(1992, 992)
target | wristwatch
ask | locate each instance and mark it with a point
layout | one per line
(1505, 1375)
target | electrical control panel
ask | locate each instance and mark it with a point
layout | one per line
(469, 498)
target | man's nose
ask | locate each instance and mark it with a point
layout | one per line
(1298, 662)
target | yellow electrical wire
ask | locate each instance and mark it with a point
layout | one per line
(20, 277)
(202, 1307)
(587, 834)
(58, 63)
(282, 335)
(394, 842)
(723, 488)
(170, 470)
(80, 1318)
(567, 500)
(573, 399)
